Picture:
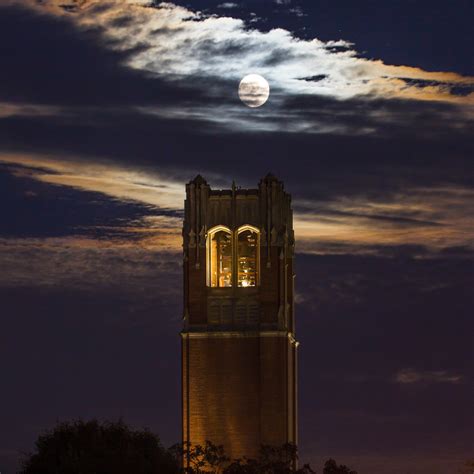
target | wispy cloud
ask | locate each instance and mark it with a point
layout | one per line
(119, 228)
(88, 263)
(28, 110)
(423, 220)
(432, 218)
(228, 5)
(121, 182)
(413, 376)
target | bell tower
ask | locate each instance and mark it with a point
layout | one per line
(239, 352)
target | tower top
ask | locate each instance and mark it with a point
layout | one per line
(198, 180)
(270, 177)
(238, 250)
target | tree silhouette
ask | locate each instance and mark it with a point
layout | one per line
(200, 459)
(91, 447)
(331, 467)
(272, 460)
(468, 467)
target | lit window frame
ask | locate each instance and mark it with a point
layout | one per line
(210, 235)
(256, 231)
(234, 235)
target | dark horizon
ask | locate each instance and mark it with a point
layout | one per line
(107, 111)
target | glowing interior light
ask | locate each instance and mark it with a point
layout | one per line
(247, 258)
(220, 259)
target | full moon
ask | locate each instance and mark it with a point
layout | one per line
(254, 90)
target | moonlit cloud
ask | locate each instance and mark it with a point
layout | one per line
(171, 41)
(228, 5)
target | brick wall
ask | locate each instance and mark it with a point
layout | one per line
(238, 391)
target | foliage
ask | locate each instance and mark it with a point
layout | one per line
(113, 448)
(201, 459)
(272, 460)
(91, 447)
(331, 467)
(468, 467)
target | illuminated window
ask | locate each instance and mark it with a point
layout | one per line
(247, 256)
(220, 257)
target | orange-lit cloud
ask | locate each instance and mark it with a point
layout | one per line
(30, 110)
(121, 182)
(434, 218)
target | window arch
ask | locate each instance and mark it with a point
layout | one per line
(248, 256)
(219, 257)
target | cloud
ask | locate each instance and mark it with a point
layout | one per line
(87, 263)
(276, 54)
(27, 110)
(119, 182)
(298, 11)
(97, 125)
(84, 234)
(412, 376)
(175, 45)
(72, 232)
(228, 5)
(422, 221)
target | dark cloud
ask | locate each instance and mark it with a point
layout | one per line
(278, 56)
(461, 89)
(402, 251)
(326, 165)
(122, 21)
(392, 118)
(33, 209)
(316, 78)
(80, 69)
(322, 212)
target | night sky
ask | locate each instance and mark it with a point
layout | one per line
(107, 109)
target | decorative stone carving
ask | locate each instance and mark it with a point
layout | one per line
(202, 237)
(274, 235)
(192, 239)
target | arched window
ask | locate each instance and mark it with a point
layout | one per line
(247, 256)
(219, 257)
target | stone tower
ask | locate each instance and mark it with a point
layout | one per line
(239, 361)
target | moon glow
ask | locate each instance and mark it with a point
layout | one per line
(254, 90)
